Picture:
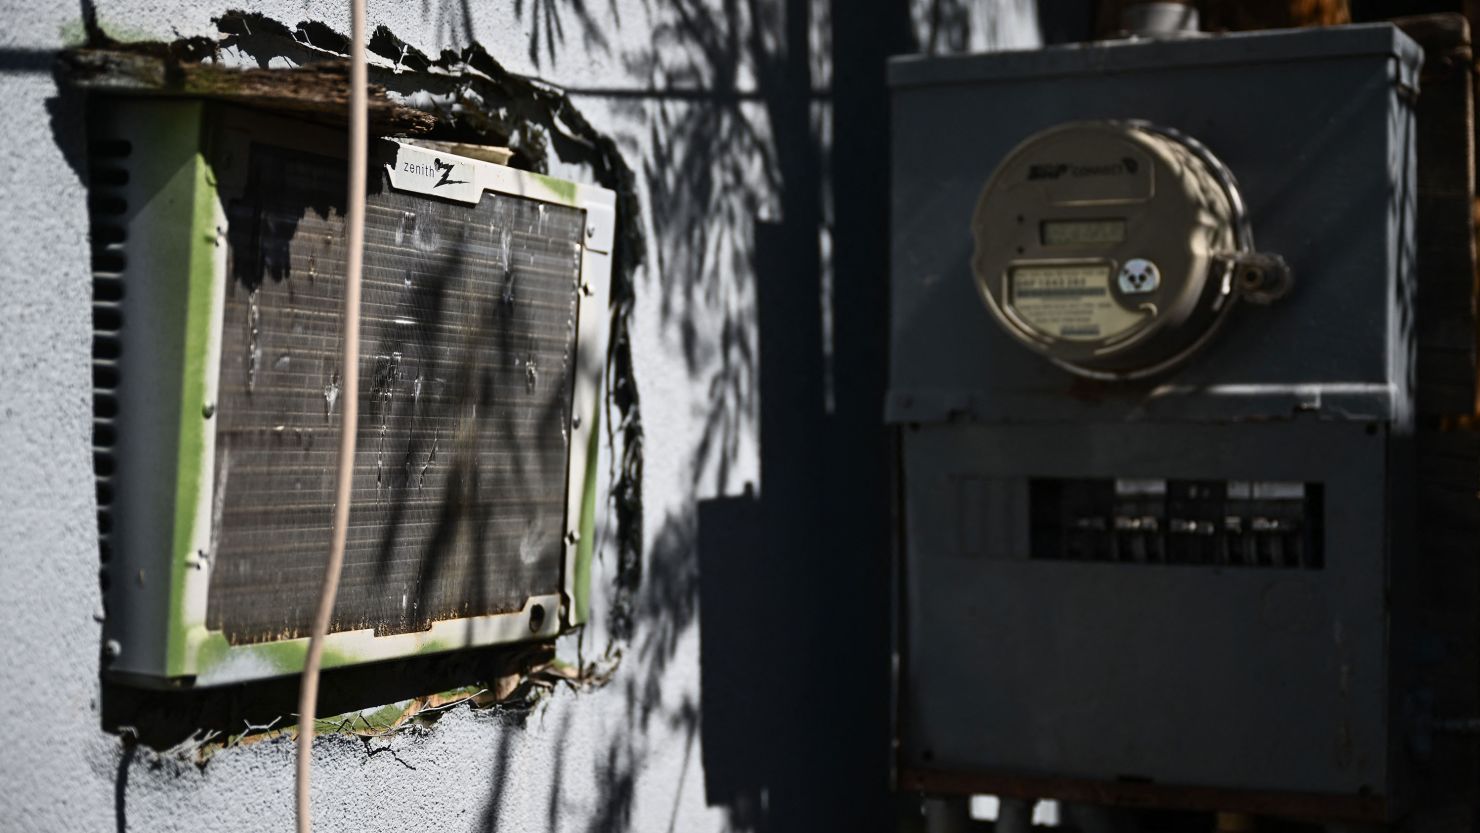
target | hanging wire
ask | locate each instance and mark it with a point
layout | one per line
(308, 693)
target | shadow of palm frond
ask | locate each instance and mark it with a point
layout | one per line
(547, 20)
(733, 139)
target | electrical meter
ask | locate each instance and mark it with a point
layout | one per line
(1216, 579)
(1116, 248)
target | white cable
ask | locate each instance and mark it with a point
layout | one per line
(308, 693)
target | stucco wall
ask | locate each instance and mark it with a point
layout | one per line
(614, 758)
(716, 173)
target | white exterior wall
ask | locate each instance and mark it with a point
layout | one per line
(624, 757)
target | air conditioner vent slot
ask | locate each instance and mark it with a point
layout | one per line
(107, 204)
(466, 373)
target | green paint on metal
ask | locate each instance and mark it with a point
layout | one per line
(585, 549)
(209, 651)
(438, 645)
(175, 136)
(212, 651)
(564, 190)
(199, 281)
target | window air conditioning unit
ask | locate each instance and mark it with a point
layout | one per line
(219, 252)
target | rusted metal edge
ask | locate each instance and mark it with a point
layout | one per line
(1447, 214)
(319, 91)
(1444, 37)
(1308, 806)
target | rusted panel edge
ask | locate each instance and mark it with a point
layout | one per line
(320, 90)
(1445, 38)
(1309, 806)
(1449, 63)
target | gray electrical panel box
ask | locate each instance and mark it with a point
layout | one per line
(1155, 482)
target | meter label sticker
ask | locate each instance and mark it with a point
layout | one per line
(1070, 302)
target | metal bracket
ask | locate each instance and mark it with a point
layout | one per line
(1259, 277)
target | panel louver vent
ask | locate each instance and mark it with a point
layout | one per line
(107, 203)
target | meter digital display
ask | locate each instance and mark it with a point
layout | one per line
(1115, 248)
(1082, 232)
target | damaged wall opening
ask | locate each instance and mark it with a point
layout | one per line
(483, 367)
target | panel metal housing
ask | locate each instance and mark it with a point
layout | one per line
(1100, 678)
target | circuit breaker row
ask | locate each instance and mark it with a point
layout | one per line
(1235, 523)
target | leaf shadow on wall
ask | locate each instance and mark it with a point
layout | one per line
(734, 107)
(536, 121)
(738, 101)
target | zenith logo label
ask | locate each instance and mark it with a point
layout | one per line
(446, 170)
(1041, 170)
(438, 168)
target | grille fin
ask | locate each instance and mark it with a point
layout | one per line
(465, 381)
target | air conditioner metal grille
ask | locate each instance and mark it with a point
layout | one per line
(466, 374)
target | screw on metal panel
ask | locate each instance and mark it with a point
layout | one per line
(208, 410)
(112, 649)
(575, 421)
(591, 230)
(572, 537)
(586, 289)
(536, 617)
